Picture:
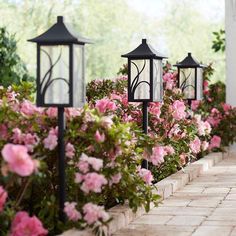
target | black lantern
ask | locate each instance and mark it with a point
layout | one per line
(145, 79)
(190, 78)
(60, 67)
(144, 74)
(60, 83)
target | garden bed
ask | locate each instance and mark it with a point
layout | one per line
(122, 215)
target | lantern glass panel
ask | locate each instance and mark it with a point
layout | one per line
(78, 76)
(54, 74)
(187, 82)
(199, 83)
(157, 81)
(140, 79)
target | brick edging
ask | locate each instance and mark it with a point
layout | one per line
(122, 215)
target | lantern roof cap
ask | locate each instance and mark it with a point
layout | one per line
(144, 50)
(189, 61)
(60, 33)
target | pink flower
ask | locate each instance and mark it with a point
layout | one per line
(178, 110)
(50, 142)
(93, 213)
(100, 138)
(70, 150)
(106, 122)
(72, 112)
(204, 128)
(169, 150)
(146, 175)
(24, 225)
(3, 198)
(78, 178)
(195, 104)
(105, 104)
(17, 136)
(3, 132)
(155, 108)
(226, 107)
(85, 161)
(205, 145)
(215, 142)
(18, 159)
(115, 179)
(157, 156)
(93, 182)
(51, 112)
(71, 211)
(195, 145)
(169, 79)
(28, 108)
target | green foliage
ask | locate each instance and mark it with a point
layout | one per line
(12, 69)
(219, 41)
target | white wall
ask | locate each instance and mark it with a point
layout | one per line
(230, 27)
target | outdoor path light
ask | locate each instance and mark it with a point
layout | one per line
(190, 78)
(145, 79)
(60, 82)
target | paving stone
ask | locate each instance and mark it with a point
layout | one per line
(204, 203)
(193, 211)
(186, 220)
(152, 219)
(175, 202)
(213, 230)
(227, 203)
(218, 223)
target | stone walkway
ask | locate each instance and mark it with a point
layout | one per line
(204, 207)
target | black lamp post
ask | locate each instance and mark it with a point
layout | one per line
(60, 82)
(190, 78)
(144, 79)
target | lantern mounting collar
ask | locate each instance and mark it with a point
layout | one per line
(60, 33)
(144, 50)
(189, 61)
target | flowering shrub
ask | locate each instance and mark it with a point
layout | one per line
(103, 158)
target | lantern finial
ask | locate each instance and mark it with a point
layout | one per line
(144, 41)
(60, 19)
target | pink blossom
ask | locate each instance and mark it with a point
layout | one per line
(72, 112)
(204, 128)
(183, 158)
(50, 142)
(155, 109)
(205, 145)
(178, 110)
(195, 145)
(146, 175)
(169, 150)
(100, 138)
(158, 154)
(17, 136)
(18, 159)
(70, 150)
(195, 104)
(105, 104)
(3, 198)
(71, 211)
(51, 112)
(24, 225)
(78, 178)
(106, 122)
(93, 182)
(3, 132)
(115, 179)
(93, 213)
(215, 142)
(214, 121)
(168, 79)
(85, 161)
(28, 108)
(226, 107)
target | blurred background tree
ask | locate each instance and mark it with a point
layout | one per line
(173, 27)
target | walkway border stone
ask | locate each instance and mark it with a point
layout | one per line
(122, 215)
